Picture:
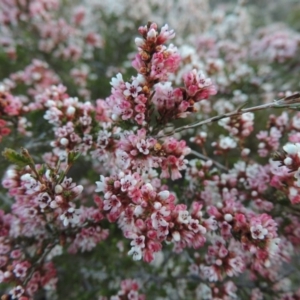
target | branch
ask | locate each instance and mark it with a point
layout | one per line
(292, 102)
(201, 156)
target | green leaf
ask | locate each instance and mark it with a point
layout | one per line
(72, 156)
(16, 158)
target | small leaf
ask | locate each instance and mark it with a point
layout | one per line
(16, 158)
(72, 156)
(42, 170)
(61, 178)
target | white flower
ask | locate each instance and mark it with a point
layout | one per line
(70, 216)
(116, 81)
(100, 184)
(123, 159)
(30, 183)
(136, 253)
(44, 200)
(273, 245)
(248, 116)
(227, 143)
(183, 217)
(258, 232)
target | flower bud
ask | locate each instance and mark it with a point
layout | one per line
(164, 195)
(138, 210)
(228, 217)
(176, 236)
(64, 141)
(219, 205)
(149, 186)
(245, 152)
(219, 262)
(157, 205)
(139, 42)
(53, 204)
(70, 111)
(58, 189)
(288, 161)
(59, 199)
(78, 189)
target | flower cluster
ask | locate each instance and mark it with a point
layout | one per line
(129, 290)
(198, 196)
(148, 217)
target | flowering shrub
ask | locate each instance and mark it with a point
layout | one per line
(182, 183)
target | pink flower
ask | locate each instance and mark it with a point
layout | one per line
(132, 89)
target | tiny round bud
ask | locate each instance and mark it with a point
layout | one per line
(199, 214)
(219, 205)
(78, 189)
(209, 163)
(117, 184)
(59, 199)
(70, 111)
(36, 76)
(228, 217)
(53, 204)
(139, 42)
(157, 205)
(157, 147)
(140, 224)
(114, 117)
(64, 141)
(138, 210)
(58, 189)
(164, 195)
(288, 161)
(144, 55)
(149, 186)
(219, 262)
(245, 152)
(5, 297)
(144, 203)
(7, 274)
(254, 193)
(203, 134)
(267, 264)
(176, 236)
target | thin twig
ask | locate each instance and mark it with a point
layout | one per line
(292, 102)
(201, 156)
(47, 250)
